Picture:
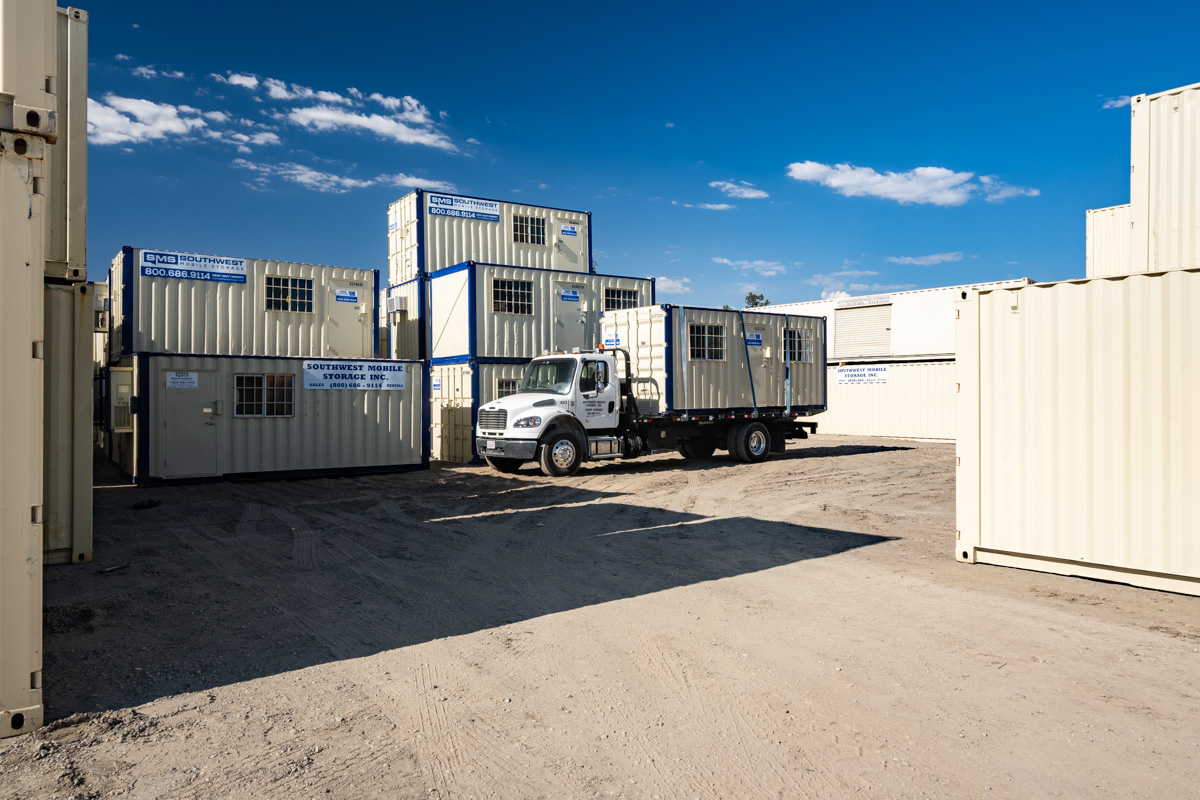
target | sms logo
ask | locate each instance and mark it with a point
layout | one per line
(160, 258)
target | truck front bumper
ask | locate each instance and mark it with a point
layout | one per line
(523, 449)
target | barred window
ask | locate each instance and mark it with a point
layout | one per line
(263, 396)
(706, 342)
(289, 294)
(798, 346)
(620, 298)
(505, 387)
(529, 230)
(512, 297)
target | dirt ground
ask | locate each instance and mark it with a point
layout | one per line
(659, 628)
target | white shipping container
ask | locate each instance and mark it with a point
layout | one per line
(1108, 232)
(67, 435)
(196, 417)
(66, 159)
(1078, 440)
(457, 391)
(899, 325)
(1165, 180)
(903, 399)
(705, 359)
(430, 231)
(183, 303)
(488, 311)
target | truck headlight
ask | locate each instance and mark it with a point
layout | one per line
(528, 422)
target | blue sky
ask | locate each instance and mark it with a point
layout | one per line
(797, 150)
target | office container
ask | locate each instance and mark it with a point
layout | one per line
(701, 359)
(489, 311)
(182, 303)
(197, 417)
(66, 159)
(457, 391)
(901, 399)
(1078, 440)
(1108, 232)
(429, 231)
(70, 314)
(1164, 185)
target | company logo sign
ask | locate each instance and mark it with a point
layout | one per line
(191, 267)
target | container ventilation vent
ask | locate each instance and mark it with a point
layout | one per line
(397, 304)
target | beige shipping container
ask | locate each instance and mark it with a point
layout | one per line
(194, 417)
(1078, 440)
(488, 311)
(430, 231)
(406, 319)
(1108, 232)
(67, 436)
(703, 359)
(1164, 186)
(457, 391)
(905, 400)
(187, 304)
(66, 159)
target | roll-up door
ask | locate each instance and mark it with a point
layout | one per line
(862, 331)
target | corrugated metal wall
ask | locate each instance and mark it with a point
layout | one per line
(330, 429)
(205, 317)
(448, 240)
(916, 402)
(405, 327)
(1108, 241)
(453, 404)
(1079, 429)
(1165, 180)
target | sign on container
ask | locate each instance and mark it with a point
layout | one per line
(183, 380)
(360, 375)
(864, 374)
(192, 267)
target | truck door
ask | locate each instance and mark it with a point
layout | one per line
(598, 395)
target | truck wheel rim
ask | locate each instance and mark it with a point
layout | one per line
(563, 454)
(758, 443)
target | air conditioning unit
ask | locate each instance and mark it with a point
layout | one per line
(397, 304)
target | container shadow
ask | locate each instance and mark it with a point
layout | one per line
(231, 582)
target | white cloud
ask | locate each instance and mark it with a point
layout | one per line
(123, 120)
(875, 288)
(997, 191)
(410, 109)
(855, 273)
(767, 269)
(666, 285)
(543, 186)
(1116, 102)
(145, 72)
(216, 116)
(473, 141)
(930, 185)
(670, 124)
(176, 74)
(326, 118)
(714, 206)
(411, 182)
(925, 261)
(834, 295)
(327, 182)
(123, 57)
(238, 79)
(740, 190)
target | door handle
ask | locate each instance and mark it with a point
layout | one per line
(611, 405)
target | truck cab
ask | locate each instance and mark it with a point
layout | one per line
(567, 410)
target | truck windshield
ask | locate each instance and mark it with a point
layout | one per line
(551, 376)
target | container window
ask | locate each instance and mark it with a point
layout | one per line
(529, 230)
(505, 387)
(615, 299)
(707, 342)
(798, 346)
(289, 294)
(264, 396)
(512, 297)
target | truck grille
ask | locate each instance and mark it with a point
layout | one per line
(493, 420)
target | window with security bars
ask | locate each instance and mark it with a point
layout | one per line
(289, 294)
(505, 387)
(264, 396)
(706, 342)
(512, 297)
(798, 346)
(620, 298)
(529, 230)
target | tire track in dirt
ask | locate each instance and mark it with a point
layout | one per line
(306, 542)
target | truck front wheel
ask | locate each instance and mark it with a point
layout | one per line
(750, 443)
(560, 456)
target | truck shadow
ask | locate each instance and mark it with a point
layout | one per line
(721, 460)
(231, 582)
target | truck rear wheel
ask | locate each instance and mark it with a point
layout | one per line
(750, 443)
(560, 455)
(698, 448)
(507, 465)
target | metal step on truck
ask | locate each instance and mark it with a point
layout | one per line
(663, 378)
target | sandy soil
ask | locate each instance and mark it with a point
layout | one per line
(650, 629)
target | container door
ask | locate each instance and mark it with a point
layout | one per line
(189, 425)
(569, 242)
(761, 350)
(572, 317)
(350, 324)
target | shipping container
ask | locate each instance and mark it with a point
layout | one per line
(899, 399)
(429, 231)
(188, 304)
(705, 359)
(1078, 440)
(1108, 241)
(66, 159)
(457, 391)
(27, 54)
(406, 319)
(1164, 186)
(70, 314)
(197, 417)
(489, 311)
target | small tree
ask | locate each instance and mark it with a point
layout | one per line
(756, 300)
